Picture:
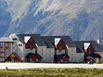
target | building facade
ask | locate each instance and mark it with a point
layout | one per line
(48, 49)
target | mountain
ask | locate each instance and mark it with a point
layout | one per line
(5, 18)
(80, 19)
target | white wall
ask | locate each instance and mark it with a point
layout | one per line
(18, 49)
(9, 50)
(74, 56)
(60, 52)
(46, 53)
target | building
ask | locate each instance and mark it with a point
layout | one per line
(92, 50)
(48, 49)
(5, 48)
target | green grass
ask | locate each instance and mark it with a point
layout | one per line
(77, 72)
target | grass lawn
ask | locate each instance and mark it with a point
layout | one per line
(75, 72)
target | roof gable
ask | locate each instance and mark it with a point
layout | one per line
(50, 40)
(86, 45)
(97, 47)
(26, 38)
(36, 37)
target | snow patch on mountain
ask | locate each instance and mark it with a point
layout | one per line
(77, 18)
(18, 8)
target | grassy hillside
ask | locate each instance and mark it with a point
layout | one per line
(52, 73)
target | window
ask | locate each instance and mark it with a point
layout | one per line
(14, 38)
(19, 44)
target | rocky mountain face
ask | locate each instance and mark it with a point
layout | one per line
(80, 19)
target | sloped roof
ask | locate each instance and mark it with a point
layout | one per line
(46, 40)
(36, 37)
(49, 40)
(15, 55)
(21, 36)
(97, 47)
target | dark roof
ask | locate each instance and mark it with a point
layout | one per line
(36, 37)
(21, 36)
(46, 40)
(49, 40)
(97, 47)
(79, 46)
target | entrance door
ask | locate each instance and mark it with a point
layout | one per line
(32, 58)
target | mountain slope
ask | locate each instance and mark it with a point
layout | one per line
(81, 19)
(5, 18)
